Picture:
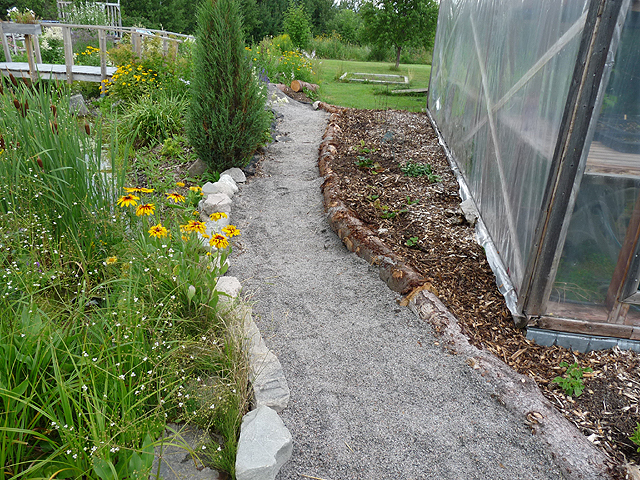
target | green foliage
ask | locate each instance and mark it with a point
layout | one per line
(297, 26)
(572, 383)
(411, 242)
(397, 24)
(85, 13)
(348, 25)
(413, 169)
(274, 59)
(153, 118)
(227, 117)
(635, 438)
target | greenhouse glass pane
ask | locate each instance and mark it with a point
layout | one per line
(610, 190)
(500, 78)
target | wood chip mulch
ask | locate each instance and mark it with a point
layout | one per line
(421, 223)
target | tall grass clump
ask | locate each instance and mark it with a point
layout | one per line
(227, 118)
(334, 47)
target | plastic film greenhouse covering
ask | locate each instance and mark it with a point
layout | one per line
(499, 82)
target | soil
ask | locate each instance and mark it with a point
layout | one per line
(418, 217)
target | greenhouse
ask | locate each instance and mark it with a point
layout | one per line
(537, 103)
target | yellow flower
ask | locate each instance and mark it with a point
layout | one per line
(217, 216)
(194, 189)
(194, 226)
(195, 213)
(111, 260)
(128, 200)
(138, 189)
(180, 184)
(219, 241)
(176, 197)
(230, 231)
(146, 209)
(158, 231)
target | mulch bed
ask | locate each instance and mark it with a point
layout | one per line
(420, 221)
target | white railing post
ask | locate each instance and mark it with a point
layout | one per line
(68, 52)
(5, 46)
(102, 42)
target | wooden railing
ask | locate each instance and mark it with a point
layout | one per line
(138, 35)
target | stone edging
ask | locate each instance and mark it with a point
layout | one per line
(578, 458)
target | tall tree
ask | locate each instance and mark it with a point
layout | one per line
(227, 119)
(400, 23)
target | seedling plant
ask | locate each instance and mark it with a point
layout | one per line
(414, 169)
(572, 383)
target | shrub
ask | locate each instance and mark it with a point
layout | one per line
(227, 117)
(297, 25)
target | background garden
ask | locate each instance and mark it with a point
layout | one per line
(110, 324)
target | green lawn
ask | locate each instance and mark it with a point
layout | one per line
(370, 95)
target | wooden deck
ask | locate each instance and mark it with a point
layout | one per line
(56, 72)
(603, 160)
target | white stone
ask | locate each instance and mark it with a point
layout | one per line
(266, 374)
(216, 202)
(265, 445)
(316, 105)
(173, 460)
(222, 187)
(228, 179)
(235, 173)
(211, 228)
(470, 211)
(229, 285)
(207, 188)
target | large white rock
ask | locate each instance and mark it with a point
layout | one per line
(266, 375)
(221, 187)
(216, 202)
(228, 179)
(229, 285)
(265, 445)
(235, 173)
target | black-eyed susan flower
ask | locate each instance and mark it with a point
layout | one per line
(180, 184)
(217, 216)
(175, 197)
(195, 213)
(158, 231)
(194, 226)
(138, 190)
(219, 241)
(128, 200)
(230, 231)
(145, 209)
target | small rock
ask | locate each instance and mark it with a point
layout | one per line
(221, 187)
(229, 285)
(216, 202)
(197, 168)
(228, 179)
(388, 137)
(470, 211)
(77, 105)
(235, 173)
(283, 138)
(174, 462)
(207, 189)
(265, 445)
(316, 105)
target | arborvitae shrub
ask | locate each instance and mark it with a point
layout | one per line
(227, 119)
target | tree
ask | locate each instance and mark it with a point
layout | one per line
(297, 26)
(227, 119)
(400, 23)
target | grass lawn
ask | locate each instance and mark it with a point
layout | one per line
(370, 95)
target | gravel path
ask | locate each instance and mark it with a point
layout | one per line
(373, 395)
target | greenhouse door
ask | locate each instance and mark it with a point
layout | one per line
(623, 290)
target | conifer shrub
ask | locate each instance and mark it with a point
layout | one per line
(227, 119)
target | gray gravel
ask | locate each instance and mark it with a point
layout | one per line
(373, 394)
